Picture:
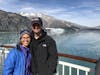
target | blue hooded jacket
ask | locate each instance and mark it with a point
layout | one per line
(14, 63)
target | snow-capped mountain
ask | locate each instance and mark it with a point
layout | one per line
(18, 21)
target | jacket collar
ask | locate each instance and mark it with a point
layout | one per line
(43, 34)
(18, 47)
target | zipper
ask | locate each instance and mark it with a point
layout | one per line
(24, 64)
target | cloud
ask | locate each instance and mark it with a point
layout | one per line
(3, 2)
(82, 17)
(83, 12)
(54, 11)
(27, 9)
(90, 4)
(45, 10)
(87, 6)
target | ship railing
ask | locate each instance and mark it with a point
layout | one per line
(4, 50)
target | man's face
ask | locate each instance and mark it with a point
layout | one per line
(36, 28)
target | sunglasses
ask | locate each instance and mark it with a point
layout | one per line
(36, 27)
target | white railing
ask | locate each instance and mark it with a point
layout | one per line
(3, 54)
(5, 51)
(70, 65)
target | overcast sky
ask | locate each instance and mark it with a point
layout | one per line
(83, 12)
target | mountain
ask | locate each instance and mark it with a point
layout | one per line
(51, 22)
(18, 21)
(13, 22)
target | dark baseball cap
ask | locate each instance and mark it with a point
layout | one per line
(36, 21)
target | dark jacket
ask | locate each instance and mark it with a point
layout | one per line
(15, 63)
(44, 54)
(97, 70)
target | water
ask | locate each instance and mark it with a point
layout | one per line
(9, 38)
(86, 44)
(83, 43)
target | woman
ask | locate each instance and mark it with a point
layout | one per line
(19, 58)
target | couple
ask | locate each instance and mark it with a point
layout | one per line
(35, 54)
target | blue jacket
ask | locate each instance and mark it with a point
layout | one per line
(14, 63)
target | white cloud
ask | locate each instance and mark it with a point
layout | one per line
(83, 17)
(27, 9)
(97, 8)
(45, 10)
(91, 4)
(88, 7)
(2, 2)
(84, 13)
(54, 11)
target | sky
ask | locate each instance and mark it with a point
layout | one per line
(83, 12)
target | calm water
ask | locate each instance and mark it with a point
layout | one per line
(84, 43)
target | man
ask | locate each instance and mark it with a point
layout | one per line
(43, 50)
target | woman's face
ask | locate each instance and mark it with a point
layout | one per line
(25, 40)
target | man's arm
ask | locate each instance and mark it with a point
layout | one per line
(53, 57)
